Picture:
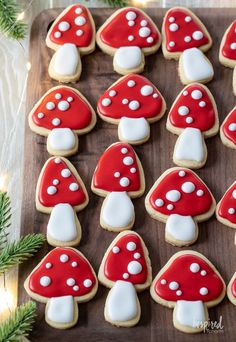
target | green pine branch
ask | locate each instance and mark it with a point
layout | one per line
(18, 251)
(5, 216)
(19, 323)
(9, 25)
(117, 3)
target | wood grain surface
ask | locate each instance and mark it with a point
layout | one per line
(215, 241)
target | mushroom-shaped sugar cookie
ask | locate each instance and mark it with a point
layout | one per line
(118, 177)
(181, 199)
(125, 268)
(61, 280)
(226, 208)
(190, 284)
(227, 53)
(128, 35)
(62, 114)
(186, 38)
(228, 130)
(61, 192)
(72, 34)
(231, 289)
(193, 116)
(132, 103)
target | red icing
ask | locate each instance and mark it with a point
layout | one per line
(189, 203)
(116, 263)
(63, 194)
(226, 50)
(185, 29)
(189, 283)
(111, 162)
(231, 119)
(70, 36)
(60, 272)
(233, 288)
(117, 31)
(77, 116)
(227, 202)
(203, 117)
(149, 106)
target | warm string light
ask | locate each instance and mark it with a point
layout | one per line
(20, 16)
(4, 179)
(28, 66)
(6, 302)
(140, 3)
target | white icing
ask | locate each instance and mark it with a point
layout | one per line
(188, 19)
(115, 249)
(128, 57)
(189, 119)
(200, 193)
(74, 264)
(131, 15)
(194, 267)
(80, 21)
(48, 265)
(124, 181)
(133, 130)
(170, 207)
(179, 293)
(195, 65)
(173, 285)
(125, 101)
(57, 160)
(79, 33)
(202, 104)
(131, 246)
(189, 145)
(182, 173)
(150, 40)
(40, 115)
(232, 127)
(56, 122)
(64, 26)
(134, 267)
(197, 35)
(171, 44)
(58, 96)
(144, 32)
(234, 194)
(159, 202)
(87, 283)
(62, 225)
(64, 258)
(163, 282)
(78, 10)
(188, 187)
(66, 60)
(173, 27)
(61, 139)
(187, 39)
(57, 34)
(203, 291)
(203, 273)
(231, 211)
(185, 92)
(180, 227)
(112, 93)
(183, 110)
(146, 90)
(117, 174)
(50, 105)
(106, 102)
(63, 105)
(70, 282)
(125, 276)
(128, 161)
(131, 38)
(65, 173)
(131, 23)
(173, 195)
(124, 150)
(133, 170)
(190, 313)
(143, 23)
(61, 309)
(131, 83)
(73, 186)
(117, 210)
(70, 99)
(45, 281)
(233, 46)
(196, 94)
(76, 288)
(137, 255)
(51, 190)
(122, 302)
(134, 105)
(171, 19)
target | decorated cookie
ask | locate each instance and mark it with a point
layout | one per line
(193, 116)
(231, 290)
(61, 280)
(128, 35)
(228, 130)
(186, 38)
(118, 177)
(180, 199)
(125, 268)
(72, 34)
(62, 114)
(61, 192)
(132, 103)
(190, 284)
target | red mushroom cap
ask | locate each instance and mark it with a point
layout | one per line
(228, 49)
(62, 272)
(58, 183)
(228, 127)
(126, 260)
(180, 191)
(62, 107)
(118, 169)
(227, 207)
(132, 96)
(130, 27)
(188, 277)
(233, 286)
(183, 30)
(74, 25)
(194, 107)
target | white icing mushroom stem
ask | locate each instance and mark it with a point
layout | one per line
(122, 304)
(61, 311)
(117, 212)
(128, 59)
(133, 130)
(182, 229)
(190, 314)
(61, 141)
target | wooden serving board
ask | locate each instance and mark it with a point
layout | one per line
(215, 240)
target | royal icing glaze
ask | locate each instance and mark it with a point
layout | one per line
(117, 170)
(61, 139)
(73, 27)
(126, 261)
(66, 60)
(227, 206)
(189, 278)
(69, 275)
(193, 108)
(66, 189)
(128, 57)
(181, 192)
(228, 50)
(61, 309)
(133, 130)
(133, 96)
(181, 228)
(62, 107)
(130, 27)
(190, 314)
(190, 145)
(182, 31)
(122, 303)
(229, 126)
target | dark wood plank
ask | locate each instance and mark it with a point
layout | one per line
(215, 240)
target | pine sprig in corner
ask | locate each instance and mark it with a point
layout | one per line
(117, 3)
(19, 323)
(5, 216)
